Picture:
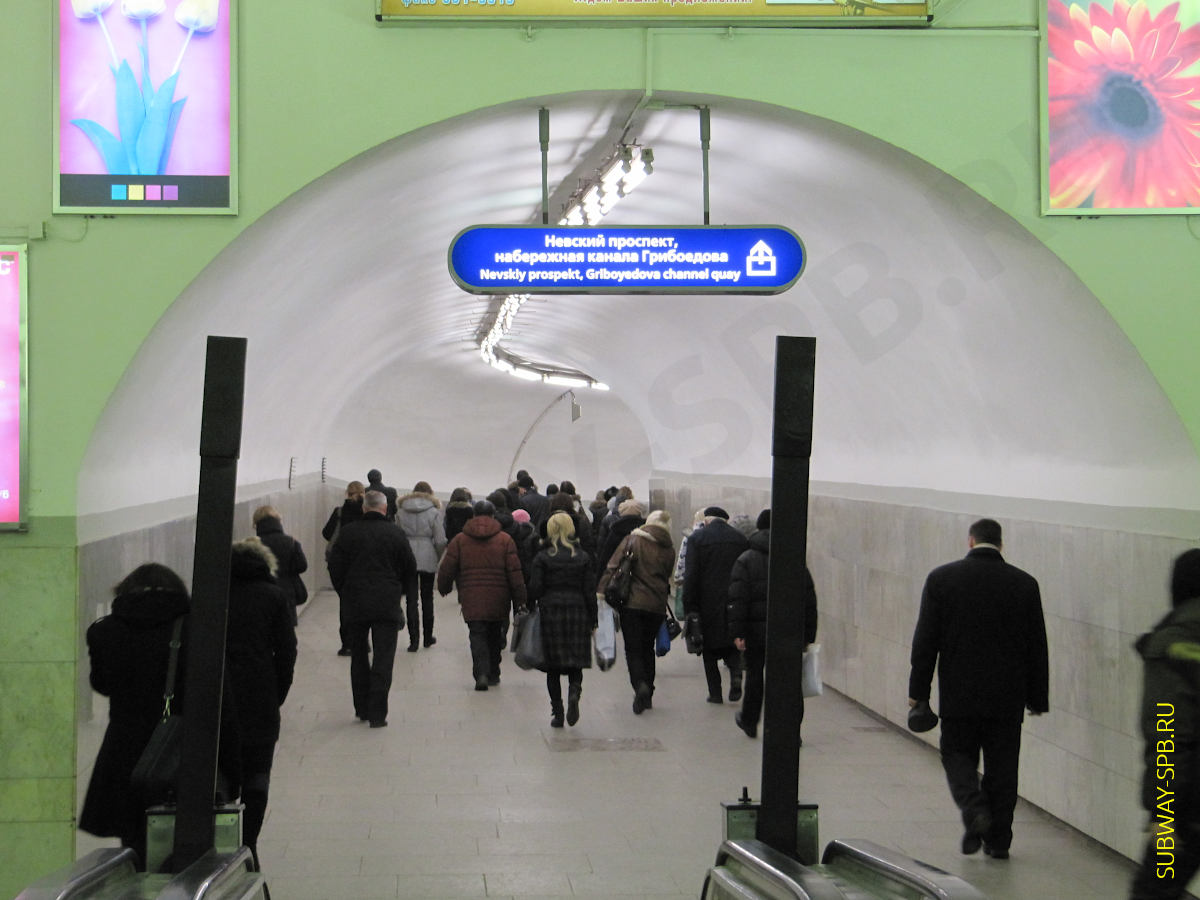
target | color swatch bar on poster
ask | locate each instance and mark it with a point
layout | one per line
(12, 369)
(149, 192)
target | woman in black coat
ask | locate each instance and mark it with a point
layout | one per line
(260, 659)
(289, 556)
(562, 583)
(129, 652)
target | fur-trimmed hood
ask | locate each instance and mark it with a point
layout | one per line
(418, 501)
(252, 560)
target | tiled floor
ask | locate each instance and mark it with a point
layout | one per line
(472, 794)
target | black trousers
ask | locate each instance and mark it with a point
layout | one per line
(256, 783)
(639, 629)
(1166, 870)
(421, 614)
(487, 643)
(752, 699)
(999, 740)
(371, 672)
(733, 659)
(554, 685)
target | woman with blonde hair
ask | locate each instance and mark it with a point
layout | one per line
(563, 585)
(653, 560)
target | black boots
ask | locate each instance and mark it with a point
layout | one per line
(556, 714)
(573, 703)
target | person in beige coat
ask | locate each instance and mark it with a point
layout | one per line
(653, 563)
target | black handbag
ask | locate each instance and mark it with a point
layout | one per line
(691, 633)
(530, 653)
(157, 770)
(620, 587)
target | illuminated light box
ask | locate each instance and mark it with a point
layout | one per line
(626, 259)
(146, 107)
(755, 13)
(1120, 103)
(13, 300)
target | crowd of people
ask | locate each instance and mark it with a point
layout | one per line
(518, 550)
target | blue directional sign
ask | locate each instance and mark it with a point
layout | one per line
(537, 259)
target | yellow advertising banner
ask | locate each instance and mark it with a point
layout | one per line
(658, 12)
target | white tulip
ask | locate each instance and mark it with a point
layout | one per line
(142, 9)
(197, 15)
(89, 9)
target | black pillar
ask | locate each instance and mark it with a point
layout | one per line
(220, 445)
(791, 448)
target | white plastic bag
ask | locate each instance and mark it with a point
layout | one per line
(605, 638)
(811, 671)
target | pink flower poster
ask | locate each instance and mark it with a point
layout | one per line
(1123, 106)
(11, 368)
(145, 105)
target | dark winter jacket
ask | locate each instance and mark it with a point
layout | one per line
(537, 505)
(981, 624)
(349, 511)
(483, 561)
(420, 516)
(711, 553)
(373, 569)
(289, 561)
(748, 595)
(620, 529)
(260, 647)
(457, 514)
(1171, 707)
(389, 493)
(129, 650)
(653, 562)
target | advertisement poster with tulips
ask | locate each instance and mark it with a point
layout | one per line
(1121, 123)
(12, 383)
(146, 107)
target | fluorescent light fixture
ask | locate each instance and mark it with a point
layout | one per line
(565, 380)
(622, 171)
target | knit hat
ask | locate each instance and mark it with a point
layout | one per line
(520, 515)
(763, 521)
(632, 507)
(659, 517)
(716, 511)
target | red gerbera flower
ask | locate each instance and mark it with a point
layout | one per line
(1124, 103)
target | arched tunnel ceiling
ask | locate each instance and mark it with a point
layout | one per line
(954, 351)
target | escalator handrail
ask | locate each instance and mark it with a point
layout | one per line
(209, 874)
(895, 865)
(799, 881)
(88, 871)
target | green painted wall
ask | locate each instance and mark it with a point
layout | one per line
(321, 83)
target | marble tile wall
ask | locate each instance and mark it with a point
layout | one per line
(1103, 575)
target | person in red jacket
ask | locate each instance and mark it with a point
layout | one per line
(482, 560)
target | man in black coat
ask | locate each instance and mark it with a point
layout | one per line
(711, 553)
(375, 483)
(537, 505)
(372, 568)
(748, 619)
(981, 625)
